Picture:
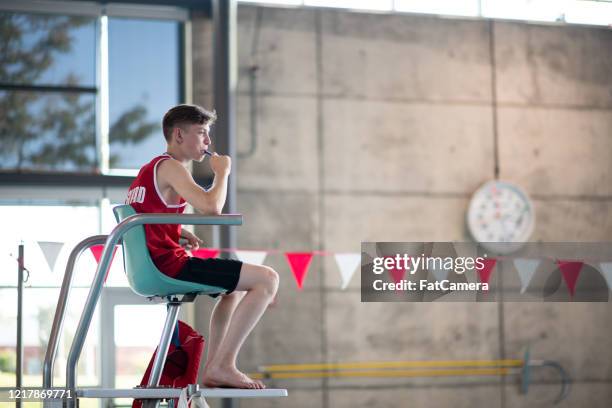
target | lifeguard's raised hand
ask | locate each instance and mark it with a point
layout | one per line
(220, 164)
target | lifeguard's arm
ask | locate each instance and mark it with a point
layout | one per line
(207, 202)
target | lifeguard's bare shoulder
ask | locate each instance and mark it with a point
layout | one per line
(169, 171)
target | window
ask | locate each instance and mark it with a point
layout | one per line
(47, 94)
(534, 10)
(46, 49)
(380, 5)
(444, 7)
(83, 87)
(86, 93)
(37, 227)
(141, 89)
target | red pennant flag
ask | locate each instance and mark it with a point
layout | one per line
(97, 250)
(205, 253)
(487, 268)
(396, 274)
(299, 262)
(570, 271)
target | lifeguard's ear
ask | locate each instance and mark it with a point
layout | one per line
(177, 135)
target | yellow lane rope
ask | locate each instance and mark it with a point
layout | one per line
(386, 374)
(390, 364)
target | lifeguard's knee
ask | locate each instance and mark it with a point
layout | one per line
(270, 280)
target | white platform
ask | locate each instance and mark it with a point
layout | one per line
(176, 392)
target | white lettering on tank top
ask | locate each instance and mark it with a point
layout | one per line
(136, 195)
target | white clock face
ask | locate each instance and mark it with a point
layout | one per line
(500, 212)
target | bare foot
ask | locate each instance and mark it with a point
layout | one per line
(229, 377)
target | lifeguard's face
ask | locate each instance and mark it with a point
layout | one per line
(193, 140)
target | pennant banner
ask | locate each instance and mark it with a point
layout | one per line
(606, 270)
(397, 274)
(526, 269)
(50, 250)
(97, 250)
(205, 253)
(299, 262)
(570, 271)
(252, 257)
(487, 268)
(347, 264)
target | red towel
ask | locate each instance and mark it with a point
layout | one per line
(182, 363)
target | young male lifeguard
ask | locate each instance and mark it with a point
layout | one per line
(164, 185)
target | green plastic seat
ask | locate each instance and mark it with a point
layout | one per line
(142, 274)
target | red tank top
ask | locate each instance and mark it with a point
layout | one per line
(162, 240)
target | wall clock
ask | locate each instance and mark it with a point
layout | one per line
(500, 212)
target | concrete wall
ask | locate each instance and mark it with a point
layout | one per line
(379, 127)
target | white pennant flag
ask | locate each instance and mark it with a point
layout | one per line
(50, 250)
(526, 268)
(606, 271)
(252, 257)
(347, 263)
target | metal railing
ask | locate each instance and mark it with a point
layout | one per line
(60, 310)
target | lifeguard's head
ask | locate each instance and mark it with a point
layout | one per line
(186, 129)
